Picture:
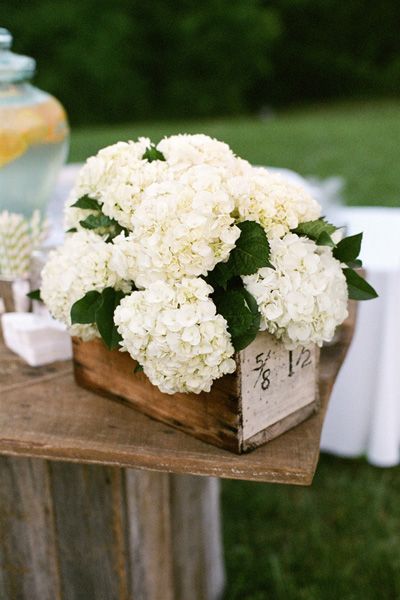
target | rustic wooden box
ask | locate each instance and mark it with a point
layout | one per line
(272, 390)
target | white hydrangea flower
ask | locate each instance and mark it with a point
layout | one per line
(81, 265)
(124, 194)
(113, 177)
(173, 331)
(184, 150)
(305, 298)
(278, 205)
(179, 218)
(119, 178)
(181, 229)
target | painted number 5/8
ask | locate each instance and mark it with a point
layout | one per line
(263, 371)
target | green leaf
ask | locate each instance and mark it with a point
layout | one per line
(251, 253)
(138, 368)
(219, 276)
(72, 230)
(233, 307)
(103, 225)
(314, 229)
(35, 295)
(240, 310)
(97, 222)
(110, 299)
(88, 203)
(84, 310)
(244, 339)
(252, 250)
(358, 288)
(355, 264)
(325, 240)
(349, 248)
(153, 154)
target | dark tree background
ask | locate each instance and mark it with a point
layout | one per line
(121, 60)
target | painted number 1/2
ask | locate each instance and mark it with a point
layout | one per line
(303, 360)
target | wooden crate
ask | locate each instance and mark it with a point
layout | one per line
(272, 390)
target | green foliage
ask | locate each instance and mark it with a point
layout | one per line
(163, 59)
(97, 221)
(325, 239)
(240, 310)
(115, 61)
(251, 252)
(348, 249)
(331, 49)
(319, 231)
(232, 300)
(359, 289)
(153, 154)
(98, 308)
(84, 310)
(335, 540)
(105, 317)
(87, 203)
(35, 295)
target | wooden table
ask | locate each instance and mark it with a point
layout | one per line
(149, 530)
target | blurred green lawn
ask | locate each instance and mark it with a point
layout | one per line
(360, 142)
(339, 539)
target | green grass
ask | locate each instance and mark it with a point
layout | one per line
(339, 539)
(360, 142)
(336, 540)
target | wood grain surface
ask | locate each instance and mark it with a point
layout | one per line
(272, 390)
(88, 532)
(212, 417)
(28, 558)
(43, 413)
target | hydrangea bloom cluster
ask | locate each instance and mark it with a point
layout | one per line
(116, 177)
(81, 265)
(173, 331)
(182, 229)
(166, 221)
(304, 297)
(278, 205)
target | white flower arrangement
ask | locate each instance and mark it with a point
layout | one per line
(181, 253)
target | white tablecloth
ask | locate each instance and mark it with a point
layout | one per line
(364, 412)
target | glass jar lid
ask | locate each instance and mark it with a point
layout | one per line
(13, 67)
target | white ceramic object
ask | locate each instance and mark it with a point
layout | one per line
(38, 339)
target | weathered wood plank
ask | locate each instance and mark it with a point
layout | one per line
(74, 532)
(28, 557)
(90, 525)
(56, 419)
(149, 532)
(275, 383)
(196, 533)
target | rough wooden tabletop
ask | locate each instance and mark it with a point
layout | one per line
(44, 414)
